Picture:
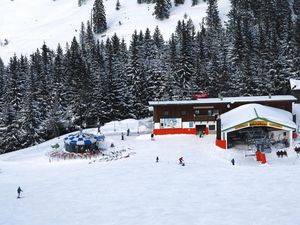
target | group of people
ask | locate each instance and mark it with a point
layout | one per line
(181, 161)
(122, 134)
(280, 154)
(297, 149)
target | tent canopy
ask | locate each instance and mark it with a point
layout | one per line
(82, 139)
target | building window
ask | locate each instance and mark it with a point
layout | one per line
(210, 112)
(166, 113)
(183, 113)
(216, 112)
(197, 112)
(212, 127)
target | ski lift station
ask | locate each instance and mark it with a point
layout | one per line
(247, 121)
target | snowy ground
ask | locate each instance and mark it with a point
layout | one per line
(28, 24)
(137, 190)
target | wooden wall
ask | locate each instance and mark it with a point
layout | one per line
(175, 111)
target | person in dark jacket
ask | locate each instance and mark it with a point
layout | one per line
(233, 161)
(157, 159)
(19, 190)
(128, 132)
(122, 136)
(152, 137)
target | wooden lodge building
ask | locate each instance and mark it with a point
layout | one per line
(204, 116)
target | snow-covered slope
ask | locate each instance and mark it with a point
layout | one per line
(27, 24)
(137, 190)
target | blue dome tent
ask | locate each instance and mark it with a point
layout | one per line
(81, 142)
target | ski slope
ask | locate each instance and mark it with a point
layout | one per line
(137, 190)
(28, 24)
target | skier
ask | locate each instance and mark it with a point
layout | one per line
(157, 159)
(233, 161)
(122, 136)
(128, 132)
(152, 137)
(19, 190)
(180, 160)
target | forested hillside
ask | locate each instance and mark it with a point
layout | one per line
(88, 82)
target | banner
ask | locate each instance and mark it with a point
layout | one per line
(171, 122)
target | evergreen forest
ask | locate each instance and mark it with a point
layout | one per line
(88, 82)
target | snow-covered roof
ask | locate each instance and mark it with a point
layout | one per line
(227, 100)
(249, 112)
(295, 84)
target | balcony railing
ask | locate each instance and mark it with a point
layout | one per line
(204, 118)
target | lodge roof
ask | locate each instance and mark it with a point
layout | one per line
(227, 100)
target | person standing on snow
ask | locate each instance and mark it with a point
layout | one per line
(122, 136)
(152, 137)
(128, 132)
(157, 159)
(19, 190)
(233, 161)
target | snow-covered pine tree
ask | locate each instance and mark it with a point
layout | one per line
(162, 9)
(178, 2)
(200, 61)
(195, 2)
(135, 74)
(118, 5)
(184, 68)
(99, 17)
(98, 72)
(2, 83)
(296, 44)
(153, 67)
(81, 2)
(13, 103)
(78, 83)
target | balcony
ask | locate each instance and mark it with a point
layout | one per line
(204, 118)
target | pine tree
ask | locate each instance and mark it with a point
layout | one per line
(195, 2)
(162, 9)
(118, 5)
(99, 18)
(213, 20)
(13, 103)
(135, 74)
(78, 83)
(158, 38)
(179, 2)
(2, 83)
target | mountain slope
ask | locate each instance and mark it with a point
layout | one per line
(137, 190)
(27, 24)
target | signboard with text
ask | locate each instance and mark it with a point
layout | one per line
(171, 122)
(258, 123)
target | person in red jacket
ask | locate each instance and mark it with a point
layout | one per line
(181, 160)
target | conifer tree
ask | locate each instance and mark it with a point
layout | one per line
(179, 2)
(195, 2)
(118, 5)
(99, 17)
(162, 9)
